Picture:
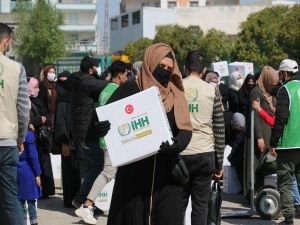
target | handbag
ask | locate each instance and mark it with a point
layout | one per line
(214, 204)
(178, 170)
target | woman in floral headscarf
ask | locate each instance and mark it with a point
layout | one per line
(145, 191)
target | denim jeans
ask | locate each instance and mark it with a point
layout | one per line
(295, 190)
(92, 166)
(30, 209)
(12, 213)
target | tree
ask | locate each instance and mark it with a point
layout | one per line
(38, 37)
(258, 40)
(289, 33)
(216, 46)
(135, 50)
(180, 39)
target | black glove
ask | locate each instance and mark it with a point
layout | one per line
(102, 127)
(181, 141)
(167, 149)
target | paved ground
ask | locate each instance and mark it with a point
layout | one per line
(51, 212)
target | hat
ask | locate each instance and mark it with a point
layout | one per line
(288, 65)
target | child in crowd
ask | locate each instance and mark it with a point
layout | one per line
(29, 181)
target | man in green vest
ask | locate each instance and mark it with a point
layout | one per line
(284, 137)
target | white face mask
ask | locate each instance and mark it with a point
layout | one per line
(213, 84)
(99, 70)
(51, 76)
(239, 83)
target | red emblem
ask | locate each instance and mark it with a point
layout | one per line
(129, 109)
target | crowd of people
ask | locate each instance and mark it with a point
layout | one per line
(56, 114)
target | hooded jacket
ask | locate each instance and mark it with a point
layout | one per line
(85, 92)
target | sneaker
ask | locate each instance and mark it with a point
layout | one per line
(87, 214)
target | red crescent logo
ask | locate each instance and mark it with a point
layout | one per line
(129, 109)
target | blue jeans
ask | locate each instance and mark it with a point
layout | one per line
(9, 203)
(295, 190)
(91, 168)
(31, 210)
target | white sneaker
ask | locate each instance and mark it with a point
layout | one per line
(86, 213)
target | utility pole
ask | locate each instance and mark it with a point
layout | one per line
(105, 33)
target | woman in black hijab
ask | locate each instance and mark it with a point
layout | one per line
(244, 94)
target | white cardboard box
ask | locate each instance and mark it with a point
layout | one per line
(227, 151)
(244, 68)
(103, 200)
(231, 184)
(221, 68)
(139, 125)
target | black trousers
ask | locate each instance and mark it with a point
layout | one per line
(70, 178)
(201, 169)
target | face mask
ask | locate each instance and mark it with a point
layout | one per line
(239, 83)
(162, 75)
(36, 92)
(51, 76)
(99, 71)
(213, 84)
(250, 86)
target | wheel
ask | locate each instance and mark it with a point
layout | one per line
(267, 203)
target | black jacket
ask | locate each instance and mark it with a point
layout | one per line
(85, 92)
(244, 97)
(281, 115)
(63, 134)
(233, 100)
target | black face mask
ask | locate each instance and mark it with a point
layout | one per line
(162, 75)
(250, 86)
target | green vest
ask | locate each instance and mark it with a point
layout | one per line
(103, 98)
(289, 138)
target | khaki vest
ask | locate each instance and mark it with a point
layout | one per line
(9, 87)
(200, 97)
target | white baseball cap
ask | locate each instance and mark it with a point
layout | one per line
(288, 65)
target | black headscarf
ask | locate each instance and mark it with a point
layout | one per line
(246, 89)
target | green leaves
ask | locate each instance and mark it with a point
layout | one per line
(258, 40)
(135, 50)
(38, 38)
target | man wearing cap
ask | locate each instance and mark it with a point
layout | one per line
(284, 137)
(86, 130)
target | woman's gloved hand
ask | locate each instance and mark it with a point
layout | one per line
(167, 149)
(102, 127)
(181, 141)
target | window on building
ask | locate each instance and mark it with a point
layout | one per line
(124, 21)
(114, 23)
(73, 19)
(194, 3)
(136, 17)
(172, 4)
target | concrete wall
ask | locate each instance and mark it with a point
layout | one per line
(150, 18)
(224, 18)
(154, 17)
